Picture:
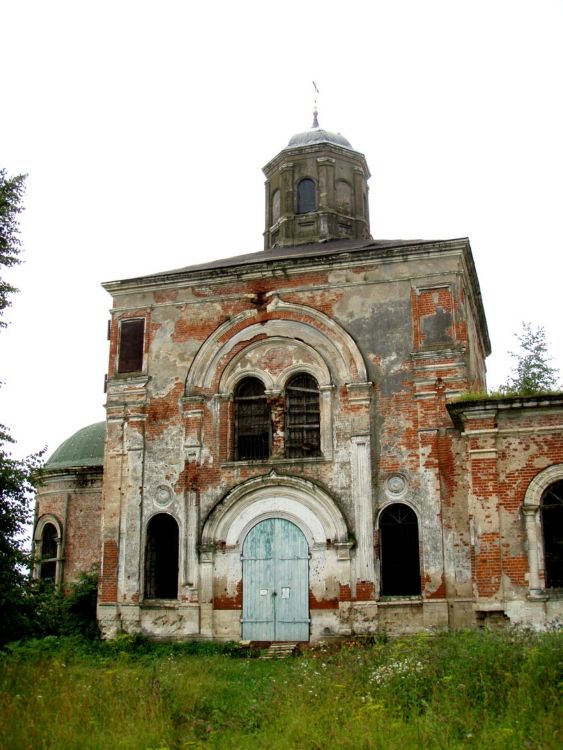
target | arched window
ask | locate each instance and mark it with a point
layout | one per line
(400, 563)
(306, 198)
(253, 424)
(275, 206)
(49, 548)
(161, 558)
(302, 417)
(552, 526)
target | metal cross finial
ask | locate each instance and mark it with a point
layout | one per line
(315, 110)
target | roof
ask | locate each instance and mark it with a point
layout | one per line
(315, 249)
(318, 135)
(83, 449)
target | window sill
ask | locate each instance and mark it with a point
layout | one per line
(399, 601)
(276, 462)
(160, 603)
(119, 376)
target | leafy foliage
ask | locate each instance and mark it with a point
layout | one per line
(11, 194)
(51, 612)
(17, 478)
(531, 374)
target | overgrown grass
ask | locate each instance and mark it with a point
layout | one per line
(475, 689)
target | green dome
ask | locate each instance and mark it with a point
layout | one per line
(84, 448)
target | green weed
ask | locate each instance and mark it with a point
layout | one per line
(474, 689)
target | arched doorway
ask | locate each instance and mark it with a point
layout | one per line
(400, 559)
(275, 574)
(161, 558)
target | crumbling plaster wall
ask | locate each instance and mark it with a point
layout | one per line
(408, 317)
(507, 445)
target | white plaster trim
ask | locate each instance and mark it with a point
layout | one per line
(531, 430)
(42, 521)
(232, 373)
(363, 506)
(69, 479)
(298, 500)
(400, 501)
(541, 482)
(337, 348)
(471, 433)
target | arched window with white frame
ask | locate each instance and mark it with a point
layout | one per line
(48, 550)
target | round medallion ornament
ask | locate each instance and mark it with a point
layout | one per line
(396, 485)
(163, 495)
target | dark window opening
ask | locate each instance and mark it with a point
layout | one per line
(306, 196)
(161, 561)
(131, 346)
(302, 417)
(552, 525)
(253, 423)
(400, 562)
(48, 569)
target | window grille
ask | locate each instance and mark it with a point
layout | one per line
(253, 424)
(48, 568)
(161, 558)
(400, 555)
(302, 417)
(552, 526)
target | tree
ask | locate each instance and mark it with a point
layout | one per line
(16, 476)
(531, 373)
(16, 486)
(11, 194)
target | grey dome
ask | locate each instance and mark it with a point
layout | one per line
(318, 135)
(84, 448)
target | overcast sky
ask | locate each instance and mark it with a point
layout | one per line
(143, 128)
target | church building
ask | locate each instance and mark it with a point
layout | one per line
(286, 456)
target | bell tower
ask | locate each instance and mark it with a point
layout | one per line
(316, 190)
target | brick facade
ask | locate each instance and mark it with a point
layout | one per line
(391, 332)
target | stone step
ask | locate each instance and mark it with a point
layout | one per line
(279, 650)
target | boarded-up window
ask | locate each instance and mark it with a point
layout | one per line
(302, 417)
(161, 558)
(48, 567)
(131, 346)
(552, 525)
(306, 198)
(400, 562)
(253, 424)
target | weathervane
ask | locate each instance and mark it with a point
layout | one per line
(315, 110)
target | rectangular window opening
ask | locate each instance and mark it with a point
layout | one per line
(131, 346)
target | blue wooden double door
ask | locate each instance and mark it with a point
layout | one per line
(275, 573)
